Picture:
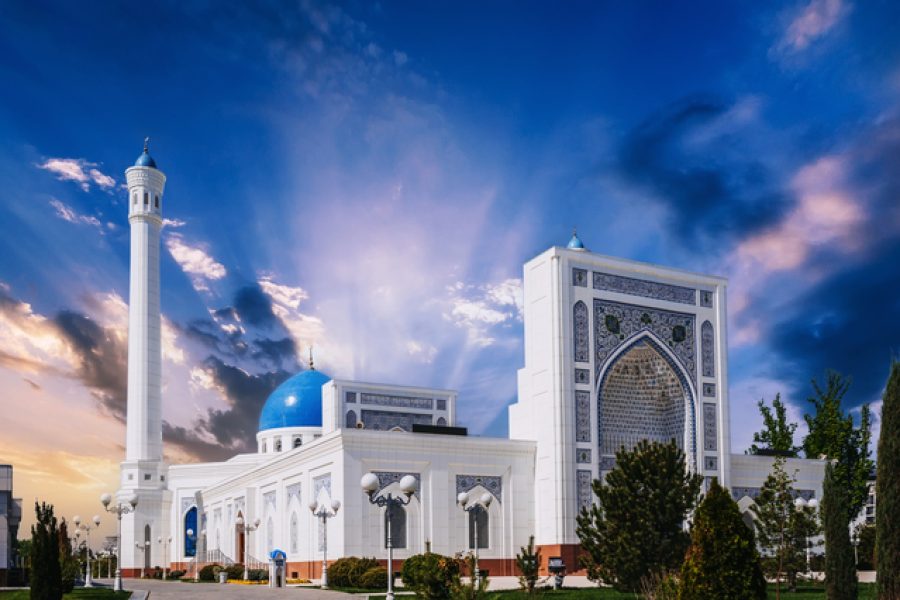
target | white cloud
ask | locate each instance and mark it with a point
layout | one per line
(197, 264)
(306, 330)
(813, 22)
(29, 341)
(479, 308)
(80, 171)
(421, 352)
(173, 223)
(67, 213)
(400, 58)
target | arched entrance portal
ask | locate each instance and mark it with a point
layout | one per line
(643, 395)
(239, 541)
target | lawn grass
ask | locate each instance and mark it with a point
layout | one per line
(77, 594)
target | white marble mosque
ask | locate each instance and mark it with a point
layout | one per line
(616, 351)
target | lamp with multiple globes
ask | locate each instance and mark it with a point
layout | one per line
(370, 485)
(118, 509)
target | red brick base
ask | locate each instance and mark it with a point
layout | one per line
(568, 552)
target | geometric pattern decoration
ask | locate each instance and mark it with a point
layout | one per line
(615, 322)
(583, 456)
(709, 390)
(386, 478)
(582, 416)
(293, 491)
(607, 463)
(710, 427)
(580, 324)
(322, 482)
(383, 420)
(706, 299)
(583, 376)
(400, 401)
(707, 350)
(647, 289)
(350, 398)
(584, 492)
(492, 483)
(710, 463)
(269, 502)
(579, 277)
(753, 493)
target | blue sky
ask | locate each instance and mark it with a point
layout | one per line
(369, 178)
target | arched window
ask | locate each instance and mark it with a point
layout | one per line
(270, 535)
(146, 198)
(479, 520)
(294, 533)
(580, 331)
(156, 201)
(397, 527)
(147, 546)
(442, 422)
(278, 445)
(190, 542)
(263, 447)
(350, 421)
(298, 441)
(134, 198)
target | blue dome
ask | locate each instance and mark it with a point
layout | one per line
(575, 243)
(145, 160)
(295, 403)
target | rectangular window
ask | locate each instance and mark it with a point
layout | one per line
(146, 476)
(134, 199)
(146, 198)
(156, 201)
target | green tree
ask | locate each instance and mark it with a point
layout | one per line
(430, 575)
(840, 567)
(475, 588)
(722, 562)
(865, 547)
(777, 436)
(528, 562)
(887, 491)
(834, 435)
(782, 528)
(636, 527)
(46, 576)
(68, 562)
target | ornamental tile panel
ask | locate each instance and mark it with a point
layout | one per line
(492, 483)
(398, 401)
(269, 501)
(322, 482)
(350, 397)
(647, 289)
(581, 334)
(709, 390)
(615, 322)
(710, 427)
(582, 416)
(607, 463)
(583, 376)
(384, 420)
(585, 493)
(706, 299)
(386, 478)
(579, 277)
(583, 456)
(710, 463)
(707, 349)
(293, 491)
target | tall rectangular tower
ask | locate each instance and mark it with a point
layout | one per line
(143, 472)
(616, 351)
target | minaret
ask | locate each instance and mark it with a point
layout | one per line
(145, 190)
(143, 471)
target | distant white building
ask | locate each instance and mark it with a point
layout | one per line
(10, 517)
(616, 351)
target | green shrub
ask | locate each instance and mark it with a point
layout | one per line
(258, 575)
(208, 573)
(235, 571)
(346, 572)
(175, 574)
(430, 576)
(374, 579)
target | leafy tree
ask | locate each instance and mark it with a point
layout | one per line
(722, 562)
(840, 567)
(636, 527)
(865, 547)
(777, 436)
(887, 491)
(475, 589)
(68, 562)
(430, 575)
(46, 576)
(782, 529)
(833, 434)
(528, 561)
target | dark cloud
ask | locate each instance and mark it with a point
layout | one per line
(709, 196)
(277, 352)
(35, 386)
(234, 429)
(103, 360)
(254, 307)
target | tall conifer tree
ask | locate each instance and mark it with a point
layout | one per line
(46, 575)
(840, 566)
(887, 492)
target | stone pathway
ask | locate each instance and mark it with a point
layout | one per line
(173, 589)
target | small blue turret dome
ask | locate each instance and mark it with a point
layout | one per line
(295, 403)
(145, 160)
(575, 242)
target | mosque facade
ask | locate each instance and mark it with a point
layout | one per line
(616, 351)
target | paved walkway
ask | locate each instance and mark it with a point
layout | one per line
(174, 589)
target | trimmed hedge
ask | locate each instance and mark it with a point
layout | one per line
(374, 579)
(348, 572)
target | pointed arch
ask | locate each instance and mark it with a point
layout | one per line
(707, 349)
(294, 533)
(190, 541)
(148, 547)
(580, 335)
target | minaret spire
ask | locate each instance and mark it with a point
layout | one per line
(312, 366)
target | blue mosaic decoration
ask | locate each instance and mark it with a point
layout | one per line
(399, 401)
(647, 289)
(581, 335)
(710, 463)
(707, 350)
(706, 299)
(607, 463)
(632, 320)
(492, 483)
(582, 416)
(579, 277)
(710, 427)
(583, 376)
(709, 390)
(753, 492)
(583, 456)
(584, 493)
(350, 397)
(441, 404)
(269, 501)
(386, 478)
(383, 420)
